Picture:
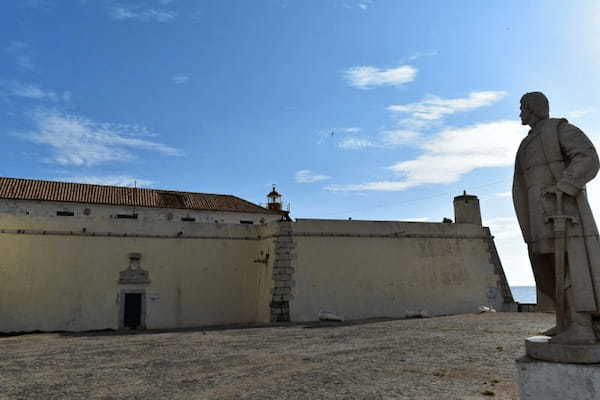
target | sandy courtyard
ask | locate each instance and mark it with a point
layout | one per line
(458, 357)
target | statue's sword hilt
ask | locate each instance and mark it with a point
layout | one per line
(559, 223)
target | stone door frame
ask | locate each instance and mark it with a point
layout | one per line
(122, 294)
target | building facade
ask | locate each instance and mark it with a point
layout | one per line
(86, 257)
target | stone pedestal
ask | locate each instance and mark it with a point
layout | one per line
(543, 380)
(553, 371)
(541, 348)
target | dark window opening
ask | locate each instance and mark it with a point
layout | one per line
(130, 216)
(246, 222)
(132, 316)
(65, 213)
(188, 219)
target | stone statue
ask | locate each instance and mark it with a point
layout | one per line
(553, 164)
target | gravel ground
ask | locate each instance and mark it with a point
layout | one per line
(456, 357)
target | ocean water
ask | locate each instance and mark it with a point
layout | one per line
(524, 294)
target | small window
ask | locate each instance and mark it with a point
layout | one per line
(65, 213)
(129, 216)
(188, 219)
(246, 222)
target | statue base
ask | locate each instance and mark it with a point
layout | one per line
(540, 348)
(543, 380)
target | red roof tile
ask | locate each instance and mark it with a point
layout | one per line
(31, 189)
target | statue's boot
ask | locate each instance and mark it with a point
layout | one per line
(551, 332)
(579, 331)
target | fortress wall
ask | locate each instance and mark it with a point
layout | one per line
(363, 269)
(54, 276)
(60, 273)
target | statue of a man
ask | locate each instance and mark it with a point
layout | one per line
(555, 161)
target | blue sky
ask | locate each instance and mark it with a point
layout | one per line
(370, 109)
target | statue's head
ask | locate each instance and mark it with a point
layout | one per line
(534, 107)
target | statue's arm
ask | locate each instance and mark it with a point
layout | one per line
(520, 201)
(581, 158)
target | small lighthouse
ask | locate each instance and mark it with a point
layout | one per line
(274, 202)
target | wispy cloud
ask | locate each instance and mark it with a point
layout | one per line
(140, 13)
(22, 54)
(433, 108)
(504, 194)
(110, 180)
(504, 227)
(307, 176)
(420, 54)
(354, 143)
(368, 77)
(31, 91)
(384, 139)
(74, 140)
(451, 154)
(180, 79)
(364, 4)
(580, 112)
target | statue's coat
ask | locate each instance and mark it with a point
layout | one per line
(558, 153)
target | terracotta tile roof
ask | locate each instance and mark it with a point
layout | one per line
(30, 189)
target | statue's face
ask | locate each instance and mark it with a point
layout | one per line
(526, 115)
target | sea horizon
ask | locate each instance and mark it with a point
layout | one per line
(524, 294)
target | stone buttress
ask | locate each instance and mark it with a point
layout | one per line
(283, 271)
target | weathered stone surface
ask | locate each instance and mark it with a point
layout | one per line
(284, 270)
(134, 274)
(280, 290)
(285, 246)
(287, 256)
(282, 277)
(541, 348)
(553, 164)
(542, 380)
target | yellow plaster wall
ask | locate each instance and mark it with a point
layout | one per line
(364, 277)
(61, 282)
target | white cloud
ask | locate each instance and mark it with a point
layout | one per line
(504, 194)
(451, 154)
(353, 143)
(121, 12)
(110, 180)
(352, 129)
(364, 4)
(180, 79)
(31, 91)
(367, 77)
(75, 140)
(307, 176)
(22, 54)
(512, 250)
(580, 112)
(383, 139)
(504, 227)
(433, 108)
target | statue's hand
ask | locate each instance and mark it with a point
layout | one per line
(552, 191)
